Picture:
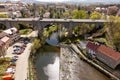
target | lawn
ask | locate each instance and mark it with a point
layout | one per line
(25, 31)
(4, 63)
(103, 40)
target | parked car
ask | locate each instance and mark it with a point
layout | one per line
(10, 70)
(16, 46)
(26, 42)
(15, 58)
(18, 50)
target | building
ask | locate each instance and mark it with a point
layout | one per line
(13, 9)
(105, 54)
(1, 48)
(46, 15)
(112, 10)
(118, 13)
(108, 56)
(7, 38)
(3, 8)
(2, 34)
(91, 49)
(7, 41)
(13, 34)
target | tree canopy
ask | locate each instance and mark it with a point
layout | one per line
(95, 15)
(114, 29)
(79, 14)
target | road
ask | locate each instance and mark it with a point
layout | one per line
(22, 64)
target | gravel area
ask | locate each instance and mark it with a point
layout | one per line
(68, 63)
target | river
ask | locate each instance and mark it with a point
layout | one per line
(48, 64)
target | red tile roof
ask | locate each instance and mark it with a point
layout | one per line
(109, 52)
(92, 46)
(2, 34)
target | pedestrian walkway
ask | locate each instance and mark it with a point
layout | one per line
(22, 64)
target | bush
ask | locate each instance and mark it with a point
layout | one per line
(4, 63)
(35, 46)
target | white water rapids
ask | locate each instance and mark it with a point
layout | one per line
(52, 70)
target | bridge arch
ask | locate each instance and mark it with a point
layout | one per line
(2, 26)
(69, 26)
(47, 26)
(118, 66)
(23, 25)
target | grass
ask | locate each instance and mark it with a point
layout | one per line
(4, 63)
(25, 31)
(103, 40)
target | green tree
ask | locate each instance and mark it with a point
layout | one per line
(66, 14)
(82, 29)
(95, 15)
(79, 14)
(113, 28)
(35, 46)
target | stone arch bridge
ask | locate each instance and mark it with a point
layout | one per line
(38, 24)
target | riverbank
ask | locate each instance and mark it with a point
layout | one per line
(73, 68)
(98, 67)
(112, 73)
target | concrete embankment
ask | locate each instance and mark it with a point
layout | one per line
(112, 77)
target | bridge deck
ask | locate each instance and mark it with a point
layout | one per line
(54, 20)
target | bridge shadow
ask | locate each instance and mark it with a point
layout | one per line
(2, 26)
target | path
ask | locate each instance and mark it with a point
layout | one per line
(22, 64)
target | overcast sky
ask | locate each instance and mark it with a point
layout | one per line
(52, 0)
(68, 0)
(75, 0)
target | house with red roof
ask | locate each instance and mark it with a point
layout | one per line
(91, 49)
(108, 56)
(7, 38)
(105, 54)
(13, 34)
(7, 41)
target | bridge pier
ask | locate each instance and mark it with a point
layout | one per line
(70, 28)
(41, 29)
(7, 24)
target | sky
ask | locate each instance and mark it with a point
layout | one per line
(76, 0)
(52, 0)
(68, 0)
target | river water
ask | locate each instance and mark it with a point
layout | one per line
(48, 64)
